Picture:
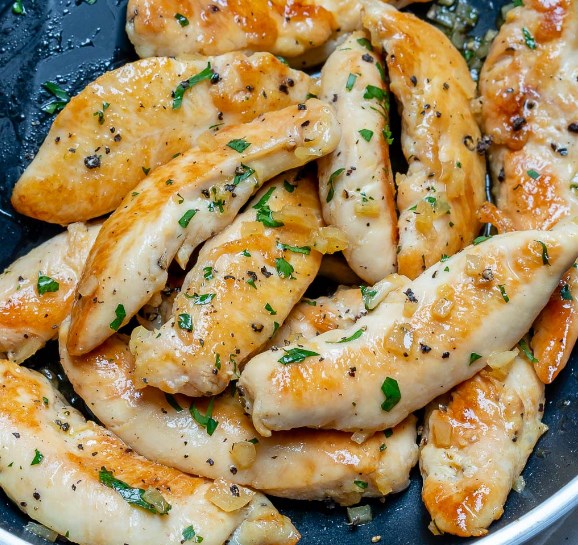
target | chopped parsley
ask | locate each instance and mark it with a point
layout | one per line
(350, 81)
(367, 295)
(185, 321)
(18, 8)
(208, 273)
(187, 217)
(172, 401)
(242, 172)
(246, 253)
(134, 496)
(120, 314)
(238, 144)
(364, 42)
(480, 239)
(528, 38)
(331, 184)
(361, 484)
(182, 20)
(534, 174)
(45, 284)
(356, 335)
(565, 293)
(189, 533)
(288, 186)
(527, 352)
(178, 94)
(545, 257)
(387, 136)
(270, 309)
(38, 457)
(284, 268)
(474, 357)
(390, 389)
(205, 420)
(60, 100)
(296, 355)
(146, 170)
(264, 213)
(366, 134)
(444, 257)
(100, 113)
(204, 299)
(503, 292)
(295, 249)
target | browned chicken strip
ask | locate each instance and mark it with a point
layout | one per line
(83, 482)
(439, 196)
(303, 464)
(422, 340)
(183, 203)
(356, 180)
(475, 445)
(242, 286)
(290, 28)
(37, 291)
(529, 96)
(138, 117)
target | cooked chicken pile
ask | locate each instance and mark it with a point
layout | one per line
(230, 178)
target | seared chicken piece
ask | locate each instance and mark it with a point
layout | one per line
(417, 344)
(311, 317)
(129, 121)
(183, 203)
(529, 97)
(81, 481)
(445, 185)
(475, 446)
(306, 464)
(37, 291)
(246, 280)
(287, 28)
(556, 329)
(356, 181)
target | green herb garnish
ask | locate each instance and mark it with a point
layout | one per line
(182, 20)
(296, 355)
(545, 257)
(205, 420)
(331, 184)
(390, 389)
(45, 284)
(182, 87)
(120, 314)
(187, 217)
(185, 321)
(38, 457)
(284, 268)
(295, 249)
(238, 144)
(366, 134)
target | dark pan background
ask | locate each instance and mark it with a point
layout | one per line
(72, 42)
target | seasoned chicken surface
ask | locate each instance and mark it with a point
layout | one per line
(475, 446)
(311, 317)
(76, 478)
(125, 123)
(306, 464)
(422, 340)
(529, 95)
(356, 180)
(243, 285)
(439, 196)
(183, 203)
(37, 290)
(287, 28)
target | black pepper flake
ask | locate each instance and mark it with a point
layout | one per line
(229, 277)
(235, 491)
(252, 275)
(306, 123)
(413, 79)
(424, 348)
(334, 99)
(573, 127)
(290, 82)
(469, 142)
(352, 371)
(488, 274)
(36, 495)
(301, 107)
(220, 116)
(518, 122)
(92, 161)
(501, 175)
(257, 328)
(215, 78)
(17, 435)
(214, 8)
(211, 462)
(541, 407)
(445, 355)
(410, 296)
(557, 149)
(367, 57)
(117, 137)
(233, 470)
(483, 144)
(283, 88)
(205, 193)
(265, 272)
(446, 86)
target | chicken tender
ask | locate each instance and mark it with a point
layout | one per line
(475, 446)
(422, 340)
(81, 481)
(182, 204)
(439, 196)
(138, 117)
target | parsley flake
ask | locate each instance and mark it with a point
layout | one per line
(182, 20)
(331, 184)
(45, 284)
(204, 299)
(534, 174)
(38, 457)
(187, 217)
(565, 293)
(100, 113)
(545, 257)
(390, 389)
(189, 533)
(172, 401)
(350, 81)
(238, 144)
(205, 420)
(356, 335)
(474, 357)
(503, 292)
(527, 352)
(295, 249)
(270, 309)
(528, 38)
(296, 355)
(60, 100)
(185, 322)
(178, 94)
(284, 268)
(364, 42)
(120, 314)
(366, 134)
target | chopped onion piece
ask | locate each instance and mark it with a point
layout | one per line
(228, 496)
(433, 528)
(243, 454)
(359, 515)
(329, 240)
(441, 431)
(42, 531)
(519, 484)
(360, 437)
(155, 498)
(498, 360)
